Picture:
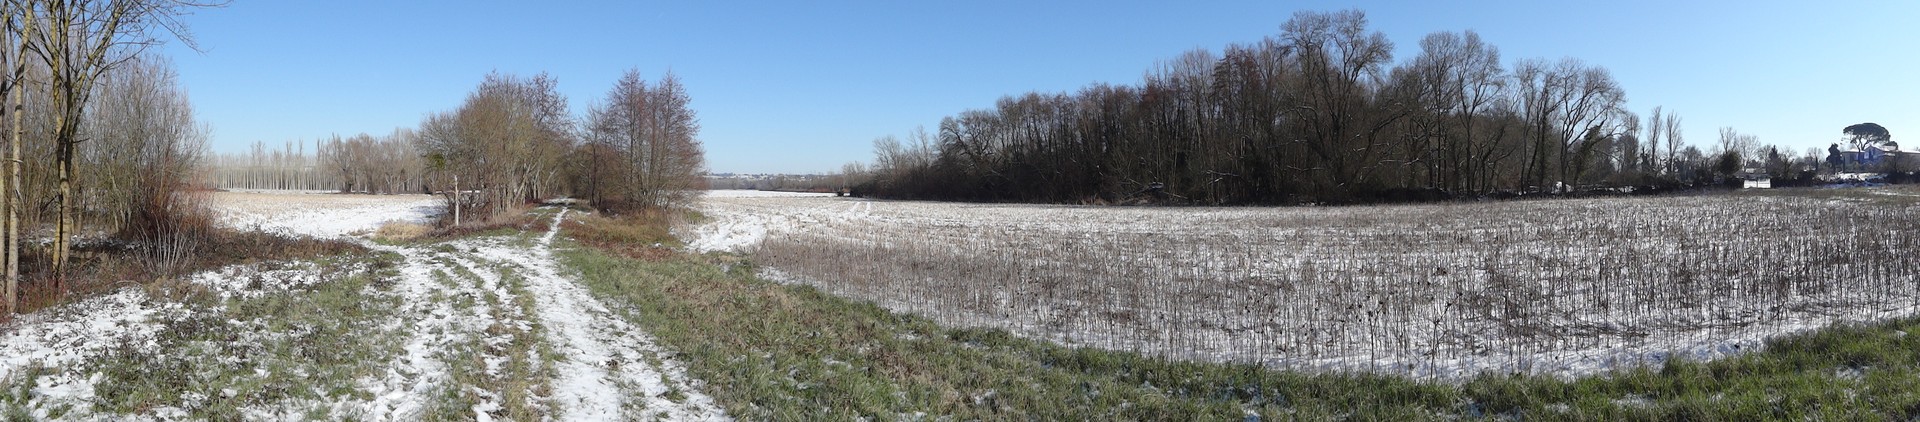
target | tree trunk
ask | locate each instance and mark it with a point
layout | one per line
(65, 227)
(8, 184)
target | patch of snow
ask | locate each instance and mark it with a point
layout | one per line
(744, 193)
(61, 339)
(323, 216)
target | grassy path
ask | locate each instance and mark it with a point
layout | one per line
(478, 328)
(526, 341)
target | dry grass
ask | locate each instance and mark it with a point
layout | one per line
(640, 235)
(400, 231)
(518, 218)
(104, 265)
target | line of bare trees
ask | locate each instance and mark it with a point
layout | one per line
(288, 167)
(1317, 113)
(379, 165)
(99, 135)
(357, 164)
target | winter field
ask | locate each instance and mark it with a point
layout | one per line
(1559, 287)
(479, 328)
(521, 323)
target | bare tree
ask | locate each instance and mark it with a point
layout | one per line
(78, 41)
(1674, 141)
(654, 129)
(1656, 126)
(1338, 58)
(505, 141)
(15, 30)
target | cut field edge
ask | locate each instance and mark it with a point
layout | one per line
(801, 347)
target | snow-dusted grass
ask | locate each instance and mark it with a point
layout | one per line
(1563, 287)
(285, 343)
(476, 328)
(742, 193)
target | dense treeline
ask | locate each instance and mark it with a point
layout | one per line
(289, 167)
(1318, 113)
(505, 142)
(381, 165)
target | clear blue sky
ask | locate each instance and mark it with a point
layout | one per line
(800, 87)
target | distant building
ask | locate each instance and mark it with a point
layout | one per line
(1872, 156)
(1755, 179)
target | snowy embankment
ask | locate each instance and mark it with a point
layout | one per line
(457, 299)
(1564, 287)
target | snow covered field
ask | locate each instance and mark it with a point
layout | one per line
(743, 218)
(314, 214)
(1558, 287)
(460, 304)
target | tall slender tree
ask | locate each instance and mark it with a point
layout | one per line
(78, 41)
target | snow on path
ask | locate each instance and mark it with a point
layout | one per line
(608, 369)
(407, 386)
(607, 362)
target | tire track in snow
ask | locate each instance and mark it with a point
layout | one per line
(607, 370)
(406, 389)
(610, 370)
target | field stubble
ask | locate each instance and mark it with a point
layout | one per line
(1564, 287)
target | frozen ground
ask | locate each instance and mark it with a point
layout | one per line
(738, 219)
(1558, 287)
(606, 369)
(460, 299)
(308, 213)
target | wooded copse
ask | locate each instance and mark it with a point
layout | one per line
(1314, 114)
(511, 142)
(640, 148)
(99, 135)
